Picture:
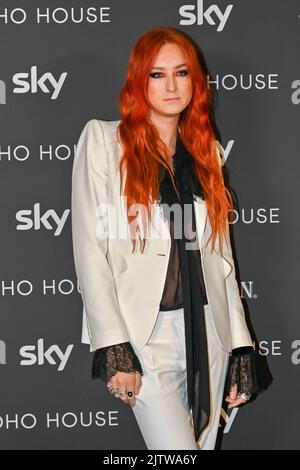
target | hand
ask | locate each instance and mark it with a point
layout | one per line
(125, 381)
(233, 399)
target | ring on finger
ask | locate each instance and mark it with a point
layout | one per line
(244, 396)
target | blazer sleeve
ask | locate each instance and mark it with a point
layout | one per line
(89, 189)
(239, 330)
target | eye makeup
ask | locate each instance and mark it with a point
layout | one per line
(164, 74)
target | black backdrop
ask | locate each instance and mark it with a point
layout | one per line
(57, 72)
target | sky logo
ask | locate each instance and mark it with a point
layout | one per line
(40, 355)
(33, 83)
(187, 11)
(34, 219)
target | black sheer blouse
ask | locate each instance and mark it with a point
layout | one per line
(172, 295)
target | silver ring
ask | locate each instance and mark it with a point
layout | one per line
(244, 396)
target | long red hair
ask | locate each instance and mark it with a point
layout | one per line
(143, 148)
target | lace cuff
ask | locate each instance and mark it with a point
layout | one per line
(116, 358)
(249, 370)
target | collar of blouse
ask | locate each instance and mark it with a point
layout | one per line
(183, 174)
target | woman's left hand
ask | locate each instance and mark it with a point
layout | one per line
(233, 399)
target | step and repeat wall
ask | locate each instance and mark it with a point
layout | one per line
(64, 63)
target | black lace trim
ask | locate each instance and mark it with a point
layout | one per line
(249, 370)
(116, 358)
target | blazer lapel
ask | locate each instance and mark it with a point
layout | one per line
(201, 218)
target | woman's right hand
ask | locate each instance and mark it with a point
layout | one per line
(125, 381)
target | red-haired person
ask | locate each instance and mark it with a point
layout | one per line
(150, 209)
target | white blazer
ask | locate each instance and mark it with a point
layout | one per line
(121, 290)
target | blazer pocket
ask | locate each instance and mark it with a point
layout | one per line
(227, 265)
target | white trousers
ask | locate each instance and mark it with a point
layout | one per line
(161, 408)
